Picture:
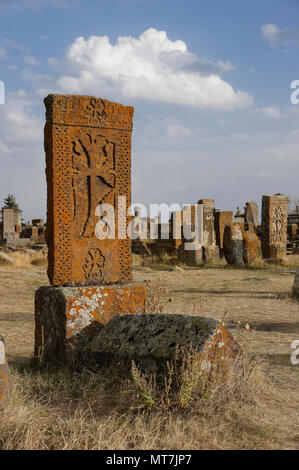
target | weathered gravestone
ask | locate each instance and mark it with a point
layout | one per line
(222, 218)
(88, 157)
(8, 223)
(274, 226)
(251, 215)
(88, 162)
(152, 340)
(210, 249)
(233, 244)
(192, 234)
(176, 224)
(250, 247)
(5, 376)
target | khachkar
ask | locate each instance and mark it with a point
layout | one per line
(88, 163)
(274, 226)
(210, 249)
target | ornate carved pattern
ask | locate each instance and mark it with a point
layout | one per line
(274, 226)
(93, 264)
(87, 111)
(277, 229)
(93, 165)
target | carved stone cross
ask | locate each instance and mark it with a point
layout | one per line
(93, 177)
(88, 162)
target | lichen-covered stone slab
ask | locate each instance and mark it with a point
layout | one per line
(66, 316)
(5, 376)
(154, 338)
(88, 162)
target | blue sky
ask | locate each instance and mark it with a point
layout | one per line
(210, 83)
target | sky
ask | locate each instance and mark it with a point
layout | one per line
(210, 82)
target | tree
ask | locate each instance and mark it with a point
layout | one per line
(11, 203)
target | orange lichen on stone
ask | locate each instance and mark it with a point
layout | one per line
(220, 346)
(66, 315)
(250, 247)
(88, 162)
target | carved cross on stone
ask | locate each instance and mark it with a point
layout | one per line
(88, 162)
(93, 178)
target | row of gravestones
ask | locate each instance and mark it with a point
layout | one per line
(15, 234)
(241, 242)
(240, 239)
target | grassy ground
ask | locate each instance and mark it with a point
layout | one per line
(66, 409)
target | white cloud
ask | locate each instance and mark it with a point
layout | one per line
(175, 130)
(151, 67)
(276, 36)
(3, 52)
(31, 61)
(37, 4)
(19, 124)
(270, 112)
(21, 153)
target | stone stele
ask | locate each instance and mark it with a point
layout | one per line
(222, 218)
(208, 221)
(250, 247)
(233, 244)
(152, 339)
(88, 162)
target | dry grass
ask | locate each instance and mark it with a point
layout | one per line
(251, 407)
(25, 259)
(65, 409)
(166, 261)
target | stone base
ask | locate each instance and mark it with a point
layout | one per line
(192, 257)
(68, 317)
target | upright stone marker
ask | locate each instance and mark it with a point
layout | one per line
(208, 221)
(210, 249)
(251, 215)
(274, 226)
(222, 218)
(88, 162)
(88, 157)
(8, 223)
